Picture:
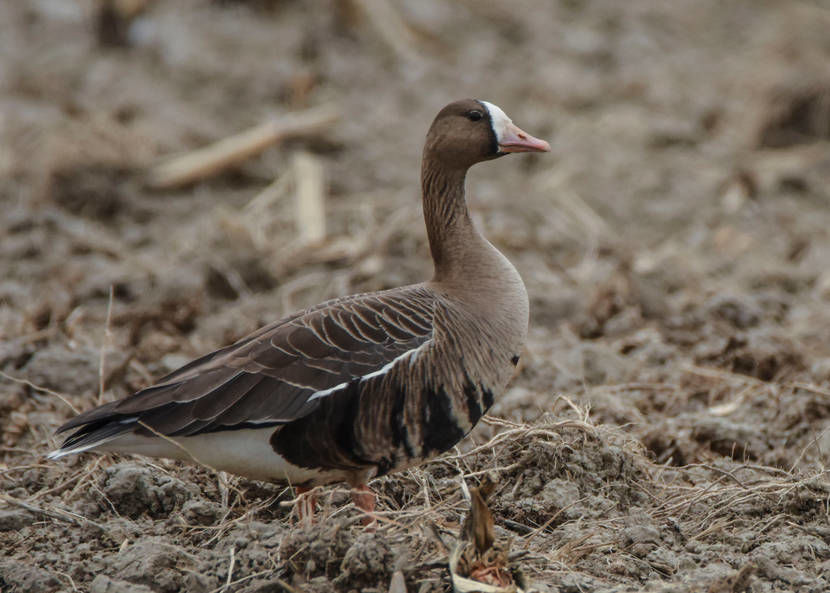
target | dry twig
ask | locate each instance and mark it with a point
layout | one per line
(57, 394)
(105, 346)
(54, 512)
(225, 153)
(310, 198)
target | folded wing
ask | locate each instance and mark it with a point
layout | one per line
(275, 375)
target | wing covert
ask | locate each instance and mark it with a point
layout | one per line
(271, 376)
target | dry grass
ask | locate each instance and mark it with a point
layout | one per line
(421, 509)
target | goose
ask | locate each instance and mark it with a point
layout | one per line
(359, 386)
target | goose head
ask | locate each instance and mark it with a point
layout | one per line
(470, 131)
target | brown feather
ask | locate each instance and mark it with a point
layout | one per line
(297, 360)
(360, 385)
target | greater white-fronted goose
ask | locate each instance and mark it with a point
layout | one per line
(359, 386)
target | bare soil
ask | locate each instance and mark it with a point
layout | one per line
(669, 425)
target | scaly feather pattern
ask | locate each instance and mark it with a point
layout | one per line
(272, 376)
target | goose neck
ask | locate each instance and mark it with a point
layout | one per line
(450, 230)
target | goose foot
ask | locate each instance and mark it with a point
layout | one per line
(306, 504)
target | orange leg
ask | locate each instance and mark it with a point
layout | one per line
(306, 504)
(364, 499)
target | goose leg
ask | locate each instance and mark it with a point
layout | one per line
(364, 499)
(306, 504)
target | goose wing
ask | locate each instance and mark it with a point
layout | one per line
(277, 374)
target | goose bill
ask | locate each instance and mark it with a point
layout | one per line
(514, 139)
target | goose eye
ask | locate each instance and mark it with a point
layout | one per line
(474, 115)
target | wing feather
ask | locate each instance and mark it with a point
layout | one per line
(272, 375)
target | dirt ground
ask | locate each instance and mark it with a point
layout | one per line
(669, 425)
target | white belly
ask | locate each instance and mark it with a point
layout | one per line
(245, 452)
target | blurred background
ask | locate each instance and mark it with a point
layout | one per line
(674, 243)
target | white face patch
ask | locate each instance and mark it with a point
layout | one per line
(498, 119)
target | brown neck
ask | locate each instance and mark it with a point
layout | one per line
(450, 230)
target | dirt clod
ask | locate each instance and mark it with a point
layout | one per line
(14, 520)
(133, 490)
(151, 561)
(104, 584)
(368, 560)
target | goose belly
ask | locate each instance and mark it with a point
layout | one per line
(244, 452)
